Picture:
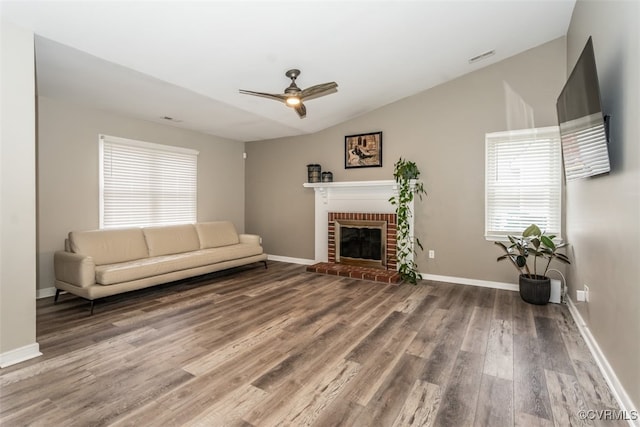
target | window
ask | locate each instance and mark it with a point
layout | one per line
(145, 184)
(523, 173)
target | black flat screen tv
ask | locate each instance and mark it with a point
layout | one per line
(583, 130)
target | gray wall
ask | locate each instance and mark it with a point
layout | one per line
(603, 213)
(68, 172)
(17, 193)
(442, 130)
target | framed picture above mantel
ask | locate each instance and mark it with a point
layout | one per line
(363, 150)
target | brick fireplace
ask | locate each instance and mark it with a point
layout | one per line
(385, 224)
(366, 201)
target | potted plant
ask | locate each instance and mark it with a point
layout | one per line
(534, 288)
(406, 174)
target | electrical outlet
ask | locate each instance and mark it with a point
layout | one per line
(586, 293)
(432, 254)
(580, 296)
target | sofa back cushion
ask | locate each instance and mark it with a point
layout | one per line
(171, 239)
(109, 246)
(216, 234)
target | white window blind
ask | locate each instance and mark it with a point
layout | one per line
(144, 184)
(523, 181)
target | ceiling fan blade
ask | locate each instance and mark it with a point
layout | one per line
(276, 97)
(301, 110)
(319, 90)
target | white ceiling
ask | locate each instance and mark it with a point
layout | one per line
(187, 59)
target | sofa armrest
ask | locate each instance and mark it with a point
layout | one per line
(75, 269)
(253, 239)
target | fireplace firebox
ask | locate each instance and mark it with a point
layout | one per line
(361, 242)
(362, 239)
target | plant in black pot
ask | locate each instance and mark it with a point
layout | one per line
(534, 288)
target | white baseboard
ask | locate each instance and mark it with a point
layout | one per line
(470, 282)
(302, 261)
(18, 355)
(45, 293)
(609, 374)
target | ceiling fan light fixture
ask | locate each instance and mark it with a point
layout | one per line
(292, 101)
(293, 96)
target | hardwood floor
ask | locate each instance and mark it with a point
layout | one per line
(255, 347)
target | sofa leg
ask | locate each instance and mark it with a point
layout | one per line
(92, 303)
(55, 299)
(265, 264)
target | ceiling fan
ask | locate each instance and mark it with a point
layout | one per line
(293, 95)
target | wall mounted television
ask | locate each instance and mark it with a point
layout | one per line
(583, 127)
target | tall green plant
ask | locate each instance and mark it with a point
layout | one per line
(404, 172)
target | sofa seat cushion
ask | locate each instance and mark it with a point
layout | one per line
(109, 246)
(139, 269)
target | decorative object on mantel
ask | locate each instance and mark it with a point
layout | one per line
(406, 174)
(363, 150)
(313, 172)
(327, 176)
(534, 288)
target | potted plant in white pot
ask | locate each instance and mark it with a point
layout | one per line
(534, 288)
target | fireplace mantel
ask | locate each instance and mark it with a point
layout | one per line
(350, 196)
(326, 189)
(380, 183)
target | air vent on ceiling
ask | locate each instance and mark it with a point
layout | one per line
(171, 119)
(482, 56)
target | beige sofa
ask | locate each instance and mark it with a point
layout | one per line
(99, 263)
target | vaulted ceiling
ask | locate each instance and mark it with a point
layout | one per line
(187, 59)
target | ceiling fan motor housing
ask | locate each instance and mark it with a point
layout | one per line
(292, 89)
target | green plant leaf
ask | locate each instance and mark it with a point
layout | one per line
(521, 261)
(502, 245)
(532, 230)
(535, 242)
(548, 242)
(505, 256)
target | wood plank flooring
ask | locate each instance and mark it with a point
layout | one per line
(256, 347)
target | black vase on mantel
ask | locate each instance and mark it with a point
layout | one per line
(313, 172)
(536, 289)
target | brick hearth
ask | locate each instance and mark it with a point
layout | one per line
(344, 270)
